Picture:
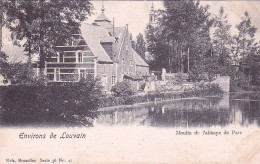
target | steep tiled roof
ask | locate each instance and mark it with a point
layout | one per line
(103, 21)
(107, 39)
(102, 17)
(138, 60)
(92, 35)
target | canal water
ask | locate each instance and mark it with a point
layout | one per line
(231, 109)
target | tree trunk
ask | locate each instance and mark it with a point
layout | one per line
(178, 57)
(41, 51)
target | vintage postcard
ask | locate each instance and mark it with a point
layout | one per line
(129, 82)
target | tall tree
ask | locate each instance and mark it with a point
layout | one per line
(133, 43)
(140, 45)
(184, 28)
(245, 47)
(39, 25)
(245, 40)
(222, 39)
(158, 49)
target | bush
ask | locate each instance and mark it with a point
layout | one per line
(200, 90)
(20, 74)
(204, 90)
(65, 104)
(238, 80)
(123, 88)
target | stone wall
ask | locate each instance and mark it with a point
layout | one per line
(222, 81)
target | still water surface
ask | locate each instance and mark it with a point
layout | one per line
(231, 109)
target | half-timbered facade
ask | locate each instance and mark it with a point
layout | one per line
(99, 49)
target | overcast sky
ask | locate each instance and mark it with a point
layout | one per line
(136, 15)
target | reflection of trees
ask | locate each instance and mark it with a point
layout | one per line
(189, 118)
(187, 113)
(125, 116)
(250, 112)
(244, 95)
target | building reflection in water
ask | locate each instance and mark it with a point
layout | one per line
(198, 112)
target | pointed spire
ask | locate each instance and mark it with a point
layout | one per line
(102, 20)
(103, 8)
(152, 8)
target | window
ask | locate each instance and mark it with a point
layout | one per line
(80, 57)
(68, 71)
(131, 63)
(57, 74)
(68, 77)
(61, 57)
(69, 60)
(113, 80)
(50, 70)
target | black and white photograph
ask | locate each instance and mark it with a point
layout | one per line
(129, 81)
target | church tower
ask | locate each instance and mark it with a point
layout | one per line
(152, 17)
(152, 20)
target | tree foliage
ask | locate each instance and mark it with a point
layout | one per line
(183, 33)
(140, 45)
(61, 104)
(123, 88)
(206, 69)
(222, 39)
(181, 42)
(245, 40)
(19, 74)
(41, 24)
(245, 49)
